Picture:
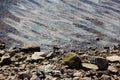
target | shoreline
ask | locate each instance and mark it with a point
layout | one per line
(31, 63)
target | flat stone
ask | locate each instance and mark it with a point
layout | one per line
(29, 48)
(38, 55)
(90, 66)
(105, 77)
(113, 58)
(72, 60)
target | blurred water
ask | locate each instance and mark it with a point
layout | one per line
(53, 22)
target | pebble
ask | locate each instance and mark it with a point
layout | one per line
(90, 66)
(38, 55)
(113, 58)
(112, 69)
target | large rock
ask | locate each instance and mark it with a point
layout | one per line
(72, 60)
(101, 63)
(90, 66)
(30, 48)
(113, 58)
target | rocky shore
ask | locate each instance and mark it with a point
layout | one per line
(31, 63)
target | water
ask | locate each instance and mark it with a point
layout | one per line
(63, 22)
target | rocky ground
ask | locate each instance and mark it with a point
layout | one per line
(30, 63)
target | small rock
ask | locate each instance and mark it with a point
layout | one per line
(50, 55)
(13, 50)
(2, 45)
(72, 60)
(46, 68)
(34, 77)
(76, 78)
(29, 48)
(77, 74)
(105, 77)
(6, 59)
(22, 66)
(90, 66)
(56, 73)
(38, 55)
(24, 75)
(2, 52)
(113, 58)
(112, 69)
(101, 63)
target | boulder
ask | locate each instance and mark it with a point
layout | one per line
(72, 60)
(113, 58)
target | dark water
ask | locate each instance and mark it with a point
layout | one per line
(53, 22)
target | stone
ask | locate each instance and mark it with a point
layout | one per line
(89, 66)
(76, 78)
(56, 73)
(29, 48)
(77, 74)
(105, 77)
(6, 59)
(22, 66)
(113, 58)
(101, 63)
(38, 55)
(2, 52)
(34, 77)
(24, 75)
(13, 50)
(46, 68)
(50, 55)
(72, 60)
(112, 69)
(2, 45)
